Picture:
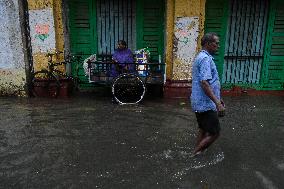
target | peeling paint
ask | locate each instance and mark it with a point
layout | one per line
(42, 30)
(12, 82)
(58, 23)
(12, 65)
(169, 38)
(185, 45)
(11, 41)
(39, 4)
(179, 54)
(46, 30)
(40, 61)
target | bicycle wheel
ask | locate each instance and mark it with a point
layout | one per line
(45, 84)
(128, 89)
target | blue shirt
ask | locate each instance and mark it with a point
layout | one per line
(204, 68)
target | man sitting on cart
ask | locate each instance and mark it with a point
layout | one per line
(122, 59)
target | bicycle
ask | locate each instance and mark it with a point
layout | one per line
(48, 81)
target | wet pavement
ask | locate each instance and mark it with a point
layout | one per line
(88, 142)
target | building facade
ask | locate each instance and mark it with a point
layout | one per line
(251, 33)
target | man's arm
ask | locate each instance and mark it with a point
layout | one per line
(208, 91)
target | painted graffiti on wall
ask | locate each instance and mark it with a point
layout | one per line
(185, 44)
(42, 30)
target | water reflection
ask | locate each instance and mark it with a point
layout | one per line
(59, 143)
(92, 143)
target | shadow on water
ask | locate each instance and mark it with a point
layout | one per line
(92, 143)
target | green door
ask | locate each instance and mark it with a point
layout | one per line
(150, 26)
(82, 26)
(96, 26)
(82, 33)
(216, 21)
(273, 69)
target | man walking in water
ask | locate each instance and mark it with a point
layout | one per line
(205, 96)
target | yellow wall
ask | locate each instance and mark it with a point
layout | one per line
(192, 8)
(39, 4)
(170, 12)
(176, 9)
(40, 59)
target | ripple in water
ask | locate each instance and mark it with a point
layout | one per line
(186, 161)
(197, 162)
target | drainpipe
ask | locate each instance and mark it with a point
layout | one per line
(67, 50)
(27, 47)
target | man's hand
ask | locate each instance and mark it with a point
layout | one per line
(221, 108)
(219, 103)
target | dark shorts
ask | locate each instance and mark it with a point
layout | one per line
(208, 121)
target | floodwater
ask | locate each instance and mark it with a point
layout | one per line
(88, 142)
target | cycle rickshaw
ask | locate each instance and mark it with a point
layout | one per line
(130, 86)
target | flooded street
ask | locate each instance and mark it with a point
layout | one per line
(88, 142)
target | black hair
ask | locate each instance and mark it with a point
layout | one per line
(208, 38)
(122, 42)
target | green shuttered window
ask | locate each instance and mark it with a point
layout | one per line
(273, 72)
(150, 26)
(216, 21)
(266, 38)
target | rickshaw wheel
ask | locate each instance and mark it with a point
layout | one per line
(128, 89)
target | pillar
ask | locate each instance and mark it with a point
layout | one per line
(46, 30)
(185, 26)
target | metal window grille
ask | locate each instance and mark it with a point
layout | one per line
(245, 40)
(115, 21)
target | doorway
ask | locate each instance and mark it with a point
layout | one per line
(96, 26)
(115, 21)
(245, 41)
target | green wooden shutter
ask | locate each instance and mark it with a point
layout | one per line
(83, 40)
(273, 68)
(150, 26)
(82, 26)
(216, 14)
